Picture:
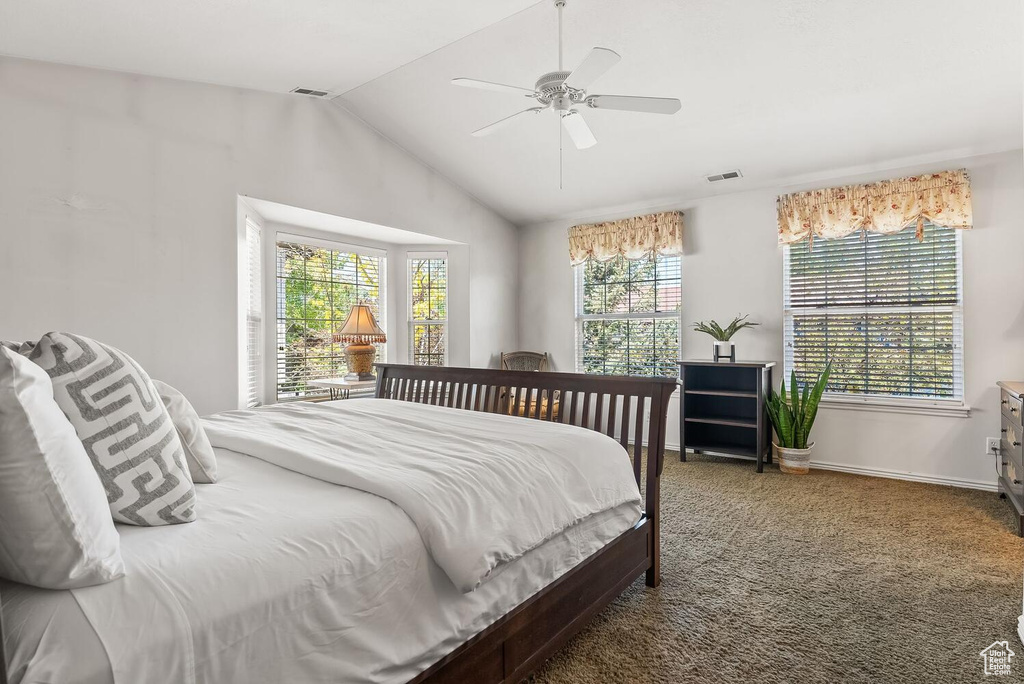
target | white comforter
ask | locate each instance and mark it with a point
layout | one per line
(481, 489)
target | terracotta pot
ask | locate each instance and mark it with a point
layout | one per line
(794, 461)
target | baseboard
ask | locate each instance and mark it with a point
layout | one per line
(893, 474)
(905, 475)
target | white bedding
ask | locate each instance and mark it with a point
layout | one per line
(482, 489)
(284, 578)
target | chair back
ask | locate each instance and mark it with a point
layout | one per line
(524, 361)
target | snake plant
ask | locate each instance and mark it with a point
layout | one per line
(723, 334)
(793, 417)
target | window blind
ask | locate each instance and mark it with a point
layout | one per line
(428, 309)
(627, 316)
(254, 314)
(886, 309)
(317, 284)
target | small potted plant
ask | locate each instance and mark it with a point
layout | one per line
(792, 419)
(724, 347)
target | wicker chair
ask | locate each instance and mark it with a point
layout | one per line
(524, 361)
(527, 361)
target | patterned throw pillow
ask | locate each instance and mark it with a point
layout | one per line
(124, 427)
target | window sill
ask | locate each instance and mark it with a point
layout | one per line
(926, 408)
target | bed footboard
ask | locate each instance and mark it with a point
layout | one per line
(633, 411)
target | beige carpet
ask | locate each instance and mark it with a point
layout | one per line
(823, 578)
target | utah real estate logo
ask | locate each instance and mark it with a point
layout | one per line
(997, 658)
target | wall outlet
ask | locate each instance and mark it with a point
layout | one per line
(991, 445)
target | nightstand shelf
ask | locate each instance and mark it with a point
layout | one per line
(722, 409)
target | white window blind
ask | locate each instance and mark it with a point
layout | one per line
(428, 309)
(627, 316)
(254, 314)
(317, 284)
(886, 309)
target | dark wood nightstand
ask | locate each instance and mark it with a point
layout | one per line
(722, 408)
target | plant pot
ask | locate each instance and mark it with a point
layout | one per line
(724, 350)
(794, 461)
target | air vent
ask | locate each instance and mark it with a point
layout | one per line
(310, 92)
(728, 175)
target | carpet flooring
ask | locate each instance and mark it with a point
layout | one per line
(827, 577)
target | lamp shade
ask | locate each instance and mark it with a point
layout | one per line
(360, 327)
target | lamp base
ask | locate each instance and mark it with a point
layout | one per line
(359, 359)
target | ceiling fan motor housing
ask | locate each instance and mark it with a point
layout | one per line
(551, 89)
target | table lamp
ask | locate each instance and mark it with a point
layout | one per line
(360, 332)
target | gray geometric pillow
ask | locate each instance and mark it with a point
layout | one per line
(124, 427)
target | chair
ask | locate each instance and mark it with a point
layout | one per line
(527, 361)
(524, 361)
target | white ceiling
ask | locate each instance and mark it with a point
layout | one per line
(777, 89)
(273, 45)
(781, 90)
(339, 225)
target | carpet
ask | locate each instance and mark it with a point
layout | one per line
(827, 577)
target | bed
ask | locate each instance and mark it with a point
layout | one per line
(330, 583)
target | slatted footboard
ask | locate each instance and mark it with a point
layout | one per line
(633, 411)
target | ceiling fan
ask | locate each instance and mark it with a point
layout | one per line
(566, 93)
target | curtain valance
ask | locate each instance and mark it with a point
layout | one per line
(633, 238)
(884, 207)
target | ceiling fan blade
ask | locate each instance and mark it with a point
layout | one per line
(578, 129)
(593, 67)
(487, 85)
(501, 123)
(627, 103)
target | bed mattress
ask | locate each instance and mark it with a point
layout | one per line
(284, 578)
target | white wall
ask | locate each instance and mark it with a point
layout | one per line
(118, 212)
(733, 265)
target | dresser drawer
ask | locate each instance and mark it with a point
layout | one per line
(1011, 407)
(1011, 436)
(1014, 476)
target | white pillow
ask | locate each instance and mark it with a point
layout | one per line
(55, 527)
(202, 462)
(124, 426)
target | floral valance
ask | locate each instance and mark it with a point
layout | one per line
(884, 207)
(633, 238)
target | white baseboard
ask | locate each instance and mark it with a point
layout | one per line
(893, 474)
(906, 475)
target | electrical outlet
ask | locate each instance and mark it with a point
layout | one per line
(992, 445)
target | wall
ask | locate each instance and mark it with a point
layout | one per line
(733, 265)
(118, 212)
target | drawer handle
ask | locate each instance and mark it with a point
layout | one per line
(1016, 482)
(1016, 444)
(1004, 402)
(1003, 431)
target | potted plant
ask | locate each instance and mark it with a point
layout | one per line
(723, 336)
(793, 419)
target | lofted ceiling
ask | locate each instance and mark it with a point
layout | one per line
(782, 90)
(274, 45)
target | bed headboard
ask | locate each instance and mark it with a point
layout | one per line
(632, 410)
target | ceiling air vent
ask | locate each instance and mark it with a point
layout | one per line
(310, 92)
(728, 175)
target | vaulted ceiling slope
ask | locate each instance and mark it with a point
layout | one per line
(778, 89)
(274, 45)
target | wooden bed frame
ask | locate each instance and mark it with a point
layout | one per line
(631, 410)
(620, 407)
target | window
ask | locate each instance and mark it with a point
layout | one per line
(428, 309)
(886, 309)
(251, 281)
(627, 316)
(317, 284)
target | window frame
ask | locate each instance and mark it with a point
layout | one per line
(254, 315)
(887, 403)
(413, 322)
(580, 317)
(272, 302)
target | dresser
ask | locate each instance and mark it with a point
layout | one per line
(722, 408)
(1011, 455)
